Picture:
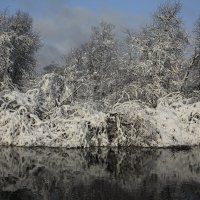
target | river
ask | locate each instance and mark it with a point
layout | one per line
(99, 173)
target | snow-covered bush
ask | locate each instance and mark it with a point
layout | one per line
(53, 91)
(68, 126)
(41, 117)
(174, 121)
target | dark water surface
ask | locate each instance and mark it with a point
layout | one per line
(94, 174)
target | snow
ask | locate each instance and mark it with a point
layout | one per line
(31, 119)
(26, 119)
(169, 124)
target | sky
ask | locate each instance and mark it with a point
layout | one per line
(65, 24)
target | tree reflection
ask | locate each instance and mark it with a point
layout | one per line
(99, 173)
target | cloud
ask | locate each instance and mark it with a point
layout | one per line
(67, 29)
(63, 26)
(71, 27)
(63, 31)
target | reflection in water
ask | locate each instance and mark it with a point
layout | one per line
(101, 173)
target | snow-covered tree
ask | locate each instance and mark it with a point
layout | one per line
(94, 65)
(192, 76)
(5, 62)
(197, 35)
(5, 51)
(103, 48)
(160, 49)
(23, 43)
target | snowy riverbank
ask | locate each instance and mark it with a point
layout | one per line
(173, 122)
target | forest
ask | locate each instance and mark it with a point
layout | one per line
(142, 89)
